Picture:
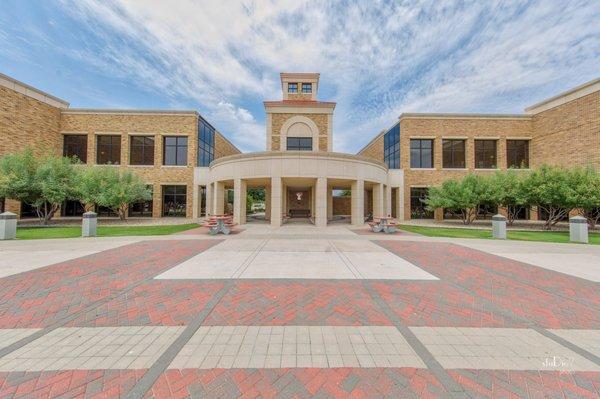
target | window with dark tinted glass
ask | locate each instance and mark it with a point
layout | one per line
(174, 200)
(306, 88)
(453, 153)
(75, 145)
(421, 153)
(391, 147)
(175, 151)
(418, 208)
(2, 202)
(141, 150)
(517, 153)
(292, 87)
(485, 154)
(299, 144)
(71, 208)
(108, 149)
(206, 143)
(142, 209)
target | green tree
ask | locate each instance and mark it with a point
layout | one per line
(42, 183)
(506, 190)
(585, 189)
(460, 196)
(549, 189)
(119, 189)
(89, 185)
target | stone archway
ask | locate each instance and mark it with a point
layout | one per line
(299, 126)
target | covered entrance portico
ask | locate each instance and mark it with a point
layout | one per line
(298, 185)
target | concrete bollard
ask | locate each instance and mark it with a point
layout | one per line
(499, 227)
(89, 224)
(8, 226)
(578, 229)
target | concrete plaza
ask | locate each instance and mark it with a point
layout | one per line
(298, 311)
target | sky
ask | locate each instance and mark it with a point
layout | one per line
(377, 59)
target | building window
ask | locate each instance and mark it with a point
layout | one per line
(391, 147)
(174, 201)
(517, 154)
(292, 87)
(142, 209)
(206, 143)
(418, 209)
(306, 88)
(299, 143)
(75, 145)
(2, 204)
(71, 208)
(453, 154)
(421, 153)
(485, 154)
(105, 212)
(108, 150)
(141, 150)
(175, 151)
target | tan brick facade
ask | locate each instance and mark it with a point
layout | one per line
(374, 149)
(28, 122)
(157, 125)
(278, 120)
(223, 147)
(469, 129)
(569, 134)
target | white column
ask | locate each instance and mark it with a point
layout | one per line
(329, 203)
(321, 201)
(276, 201)
(268, 203)
(219, 198)
(388, 201)
(378, 200)
(239, 201)
(195, 201)
(400, 204)
(358, 203)
(209, 199)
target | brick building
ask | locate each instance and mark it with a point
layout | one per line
(190, 166)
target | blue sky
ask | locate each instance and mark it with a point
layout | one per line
(377, 59)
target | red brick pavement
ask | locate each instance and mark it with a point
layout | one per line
(528, 384)
(68, 384)
(523, 299)
(298, 383)
(39, 298)
(157, 302)
(298, 302)
(438, 304)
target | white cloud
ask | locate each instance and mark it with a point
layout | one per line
(377, 59)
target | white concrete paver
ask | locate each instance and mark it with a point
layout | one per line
(12, 335)
(91, 348)
(296, 346)
(297, 259)
(586, 339)
(499, 349)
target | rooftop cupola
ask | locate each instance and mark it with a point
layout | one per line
(299, 86)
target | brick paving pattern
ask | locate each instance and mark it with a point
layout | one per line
(477, 292)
